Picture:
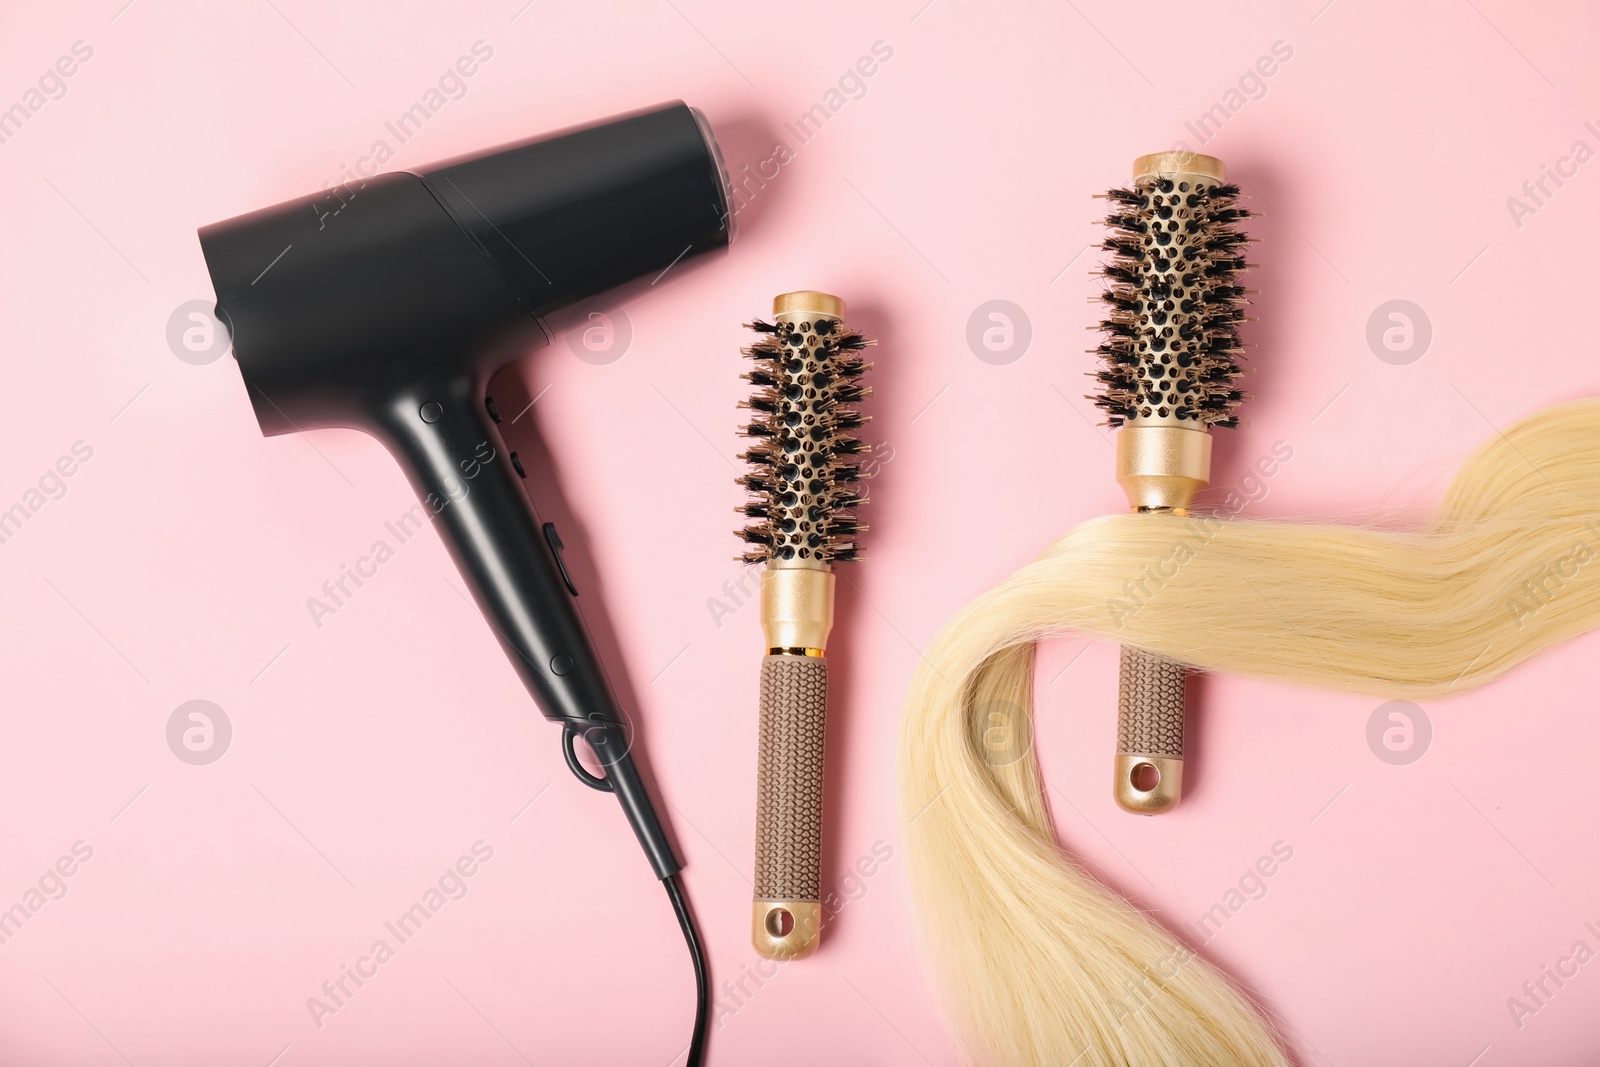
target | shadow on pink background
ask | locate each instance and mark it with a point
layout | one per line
(372, 752)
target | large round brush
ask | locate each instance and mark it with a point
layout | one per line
(805, 487)
(1170, 363)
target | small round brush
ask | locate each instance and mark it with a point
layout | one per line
(805, 486)
(1170, 364)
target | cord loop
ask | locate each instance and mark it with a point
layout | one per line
(568, 733)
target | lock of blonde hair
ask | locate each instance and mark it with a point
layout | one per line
(1043, 965)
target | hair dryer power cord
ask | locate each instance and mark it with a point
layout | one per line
(702, 982)
(680, 905)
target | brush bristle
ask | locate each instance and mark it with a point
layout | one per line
(1172, 348)
(804, 480)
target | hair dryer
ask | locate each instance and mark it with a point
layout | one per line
(390, 314)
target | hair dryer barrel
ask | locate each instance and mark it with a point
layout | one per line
(335, 299)
(571, 215)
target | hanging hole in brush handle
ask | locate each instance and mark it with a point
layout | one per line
(1150, 711)
(443, 436)
(787, 910)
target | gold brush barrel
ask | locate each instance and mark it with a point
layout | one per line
(1166, 388)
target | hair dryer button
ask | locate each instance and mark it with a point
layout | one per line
(431, 411)
(560, 663)
(556, 546)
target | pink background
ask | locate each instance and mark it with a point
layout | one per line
(370, 753)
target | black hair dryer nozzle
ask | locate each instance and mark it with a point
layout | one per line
(390, 314)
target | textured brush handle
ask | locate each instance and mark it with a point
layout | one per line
(789, 777)
(1150, 704)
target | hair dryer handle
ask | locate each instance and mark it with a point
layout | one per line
(462, 474)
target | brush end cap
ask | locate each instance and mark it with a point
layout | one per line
(1148, 785)
(808, 302)
(786, 929)
(1164, 164)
